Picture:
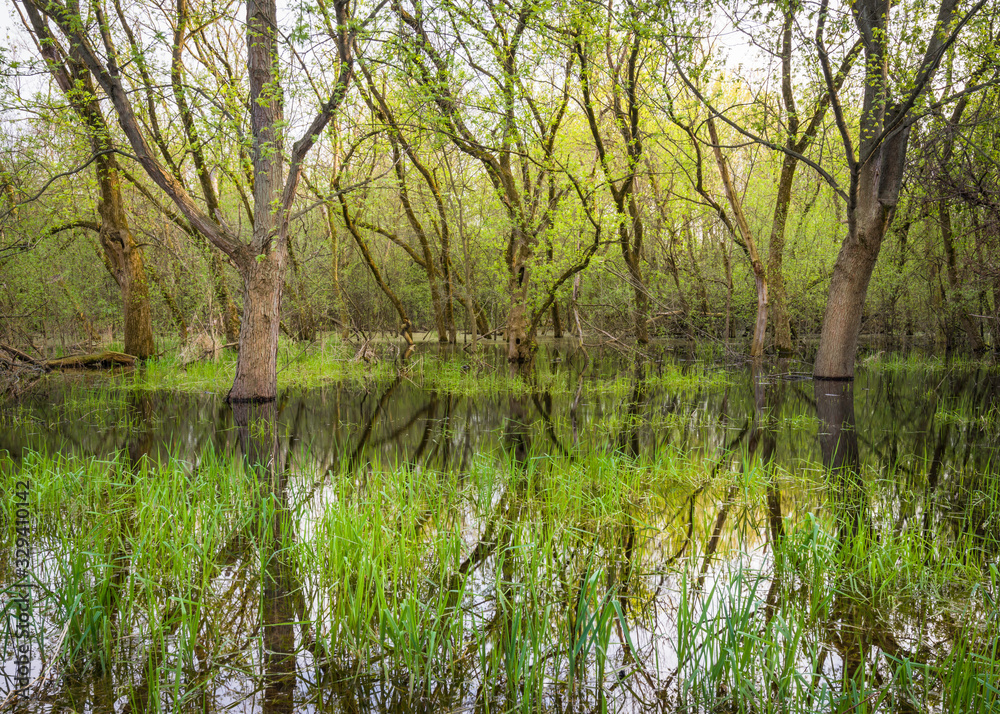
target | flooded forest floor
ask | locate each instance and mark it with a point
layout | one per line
(618, 532)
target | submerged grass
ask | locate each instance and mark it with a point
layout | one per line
(593, 580)
(906, 362)
(693, 578)
(453, 371)
(888, 618)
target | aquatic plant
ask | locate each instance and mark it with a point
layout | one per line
(534, 581)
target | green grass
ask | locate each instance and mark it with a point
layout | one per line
(332, 362)
(589, 579)
(904, 362)
(970, 415)
(526, 586)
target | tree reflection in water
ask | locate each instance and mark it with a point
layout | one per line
(280, 591)
(529, 508)
(838, 438)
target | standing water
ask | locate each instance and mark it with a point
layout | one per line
(615, 532)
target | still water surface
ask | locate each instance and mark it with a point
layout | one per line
(902, 448)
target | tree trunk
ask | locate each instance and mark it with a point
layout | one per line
(135, 298)
(876, 170)
(748, 243)
(520, 345)
(627, 115)
(958, 303)
(776, 257)
(676, 275)
(125, 259)
(263, 268)
(838, 342)
(870, 212)
(574, 308)
(557, 329)
(633, 257)
(641, 314)
(230, 314)
(470, 304)
(338, 293)
(433, 279)
(123, 254)
(437, 307)
(699, 280)
(728, 268)
(477, 311)
(760, 325)
(449, 297)
(796, 144)
(256, 367)
(482, 319)
(261, 262)
(666, 224)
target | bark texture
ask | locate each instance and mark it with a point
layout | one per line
(126, 261)
(845, 305)
(876, 171)
(520, 344)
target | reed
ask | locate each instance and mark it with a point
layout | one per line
(525, 582)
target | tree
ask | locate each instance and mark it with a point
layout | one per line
(876, 164)
(123, 256)
(957, 184)
(737, 225)
(261, 261)
(437, 268)
(769, 280)
(797, 142)
(625, 109)
(521, 173)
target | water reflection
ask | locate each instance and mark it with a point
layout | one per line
(257, 432)
(898, 421)
(517, 569)
(838, 438)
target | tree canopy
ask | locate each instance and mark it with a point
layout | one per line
(725, 170)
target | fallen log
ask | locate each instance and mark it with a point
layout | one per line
(21, 356)
(99, 360)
